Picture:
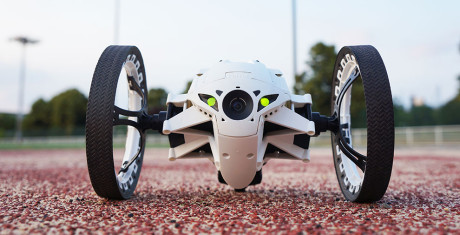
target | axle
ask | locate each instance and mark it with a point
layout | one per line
(324, 123)
(154, 122)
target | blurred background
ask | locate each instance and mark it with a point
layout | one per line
(49, 49)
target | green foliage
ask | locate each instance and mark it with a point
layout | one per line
(447, 114)
(450, 112)
(68, 110)
(7, 123)
(63, 114)
(39, 117)
(421, 116)
(400, 114)
(157, 100)
(319, 80)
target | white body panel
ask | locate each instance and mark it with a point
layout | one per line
(238, 147)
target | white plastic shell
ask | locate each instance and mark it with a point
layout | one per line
(238, 146)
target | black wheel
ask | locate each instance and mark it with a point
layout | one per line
(104, 116)
(363, 177)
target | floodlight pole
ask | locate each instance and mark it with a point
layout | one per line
(22, 76)
(294, 38)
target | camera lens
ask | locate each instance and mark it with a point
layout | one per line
(238, 105)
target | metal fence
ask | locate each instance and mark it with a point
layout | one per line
(404, 136)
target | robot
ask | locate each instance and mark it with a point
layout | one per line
(241, 115)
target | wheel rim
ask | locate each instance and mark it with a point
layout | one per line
(350, 71)
(135, 140)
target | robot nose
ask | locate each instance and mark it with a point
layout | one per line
(238, 105)
(238, 159)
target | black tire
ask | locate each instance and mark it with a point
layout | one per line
(376, 166)
(102, 115)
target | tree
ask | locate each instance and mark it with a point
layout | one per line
(421, 116)
(7, 123)
(157, 100)
(63, 114)
(39, 116)
(68, 110)
(400, 114)
(318, 83)
(449, 113)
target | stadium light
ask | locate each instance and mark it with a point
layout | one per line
(22, 74)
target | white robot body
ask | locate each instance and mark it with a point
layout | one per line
(239, 116)
(239, 99)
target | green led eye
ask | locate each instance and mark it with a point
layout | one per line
(211, 101)
(264, 102)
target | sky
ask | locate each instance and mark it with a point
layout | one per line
(419, 40)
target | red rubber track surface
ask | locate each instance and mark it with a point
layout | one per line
(49, 191)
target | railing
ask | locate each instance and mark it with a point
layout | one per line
(404, 136)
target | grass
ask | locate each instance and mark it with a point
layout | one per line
(51, 145)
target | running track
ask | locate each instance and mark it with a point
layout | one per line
(48, 191)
